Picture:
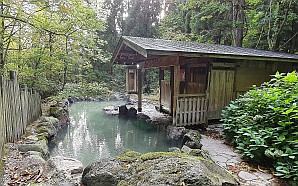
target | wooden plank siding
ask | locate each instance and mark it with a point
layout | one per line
(191, 110)
(18, 107)
(221, 91)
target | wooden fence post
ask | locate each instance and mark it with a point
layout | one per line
(2, 133)
(24, 106)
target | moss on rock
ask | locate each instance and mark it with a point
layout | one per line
(157, 168)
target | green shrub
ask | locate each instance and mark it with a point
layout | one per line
(263, 124)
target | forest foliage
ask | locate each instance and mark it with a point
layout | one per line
(51, 43)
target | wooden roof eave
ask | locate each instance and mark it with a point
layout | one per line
(146, 52)
(135, 47)
(227, 56)
(116, 51)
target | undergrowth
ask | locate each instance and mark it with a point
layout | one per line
(263, 124)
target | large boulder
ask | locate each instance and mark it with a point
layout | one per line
(192, 139)
(131, 113)
(143, 117)
(48, 126)
(100, 173)
(63, 170)
(38, 146)
(111, 110)
(195, 152)
(123, 111)
(71, 99)
(175, 133)
(113, 98)
(60, 111)
(157, 168)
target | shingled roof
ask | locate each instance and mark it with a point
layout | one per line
(150, 46)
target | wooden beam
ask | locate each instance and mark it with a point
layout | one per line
(163, 61)
(161, 77)
(223, 56)
(218, 64)
(139, 90)
(194, 65)
(195, 60)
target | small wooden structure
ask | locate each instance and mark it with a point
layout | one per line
(197, 80)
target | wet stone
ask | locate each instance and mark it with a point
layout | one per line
(174, 149)
(221, 159)
(264, 176)
(247, 176)
(232, 162)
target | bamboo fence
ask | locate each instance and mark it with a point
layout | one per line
(18, 107)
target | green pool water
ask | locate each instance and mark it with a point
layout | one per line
(93, 135)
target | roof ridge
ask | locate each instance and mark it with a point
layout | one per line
(167, 45)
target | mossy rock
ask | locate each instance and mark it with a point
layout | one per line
(156, 168)
(128, 156)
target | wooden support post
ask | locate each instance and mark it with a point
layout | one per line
(172, 88)
(161, 77)
(139, 90)
(176, 87)
(12, 75)
(175, 84)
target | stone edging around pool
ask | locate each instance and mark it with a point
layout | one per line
(33, 150)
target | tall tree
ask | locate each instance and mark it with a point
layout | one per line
(237, 8)
(143, 18)
(269, 25)
(43, 39)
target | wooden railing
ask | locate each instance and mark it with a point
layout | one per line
(18, 107)
(191, 110)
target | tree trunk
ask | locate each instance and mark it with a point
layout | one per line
(51, 43)
(238, 20)
(65, 63)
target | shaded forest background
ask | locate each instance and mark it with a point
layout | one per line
(64, 47)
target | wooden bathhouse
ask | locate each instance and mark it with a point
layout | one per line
(197, 80)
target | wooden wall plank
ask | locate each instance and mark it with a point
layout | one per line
(221, 91)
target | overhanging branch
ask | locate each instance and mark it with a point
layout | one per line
(31, 24)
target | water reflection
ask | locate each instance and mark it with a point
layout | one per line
(92, 135)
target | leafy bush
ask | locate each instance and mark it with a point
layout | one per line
(263, 124)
